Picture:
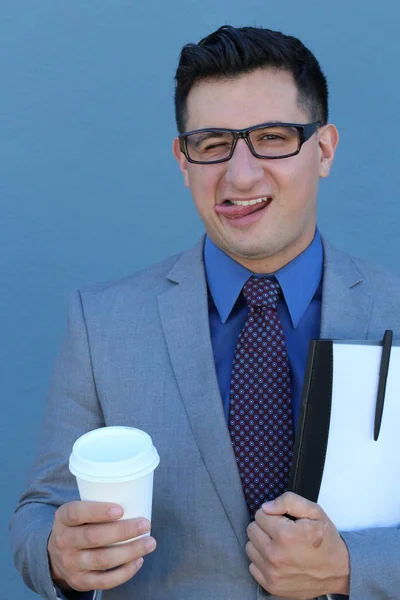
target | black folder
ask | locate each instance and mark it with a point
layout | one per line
(313, 426)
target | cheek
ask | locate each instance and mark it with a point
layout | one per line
(298, 184)
(203, 183)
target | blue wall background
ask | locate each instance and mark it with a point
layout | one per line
(85, 88)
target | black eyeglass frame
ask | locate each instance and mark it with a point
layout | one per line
(305, 131)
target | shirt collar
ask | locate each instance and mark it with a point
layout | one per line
(299, 279)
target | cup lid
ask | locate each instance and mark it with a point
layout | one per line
(113, 454)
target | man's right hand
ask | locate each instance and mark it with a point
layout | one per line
(79, 548)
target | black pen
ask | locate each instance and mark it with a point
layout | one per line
(383, 373)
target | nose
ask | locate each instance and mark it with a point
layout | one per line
(244, 171)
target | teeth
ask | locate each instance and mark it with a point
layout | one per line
(249, 202)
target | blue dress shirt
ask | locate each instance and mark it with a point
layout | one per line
(299, 310)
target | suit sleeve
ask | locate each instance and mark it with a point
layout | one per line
(374, 563)
(72, 409)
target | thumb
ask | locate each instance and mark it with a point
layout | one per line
(293, 505)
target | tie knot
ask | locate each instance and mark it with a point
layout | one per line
(260, 291)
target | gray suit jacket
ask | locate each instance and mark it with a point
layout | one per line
(138, 352)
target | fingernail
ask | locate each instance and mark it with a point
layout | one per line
(139, 563)
(268, 504)
(115, 512)
(150, 544)
(143, 526)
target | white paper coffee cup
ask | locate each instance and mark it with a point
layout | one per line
(116, 464)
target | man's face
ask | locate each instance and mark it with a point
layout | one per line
(284, 225)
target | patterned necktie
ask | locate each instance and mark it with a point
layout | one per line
(260, 416)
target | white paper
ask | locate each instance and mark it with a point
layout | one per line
(360, 485)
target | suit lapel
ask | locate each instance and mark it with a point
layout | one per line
(184, 316)
(346, 303)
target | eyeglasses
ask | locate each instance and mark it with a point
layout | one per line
(268, 140)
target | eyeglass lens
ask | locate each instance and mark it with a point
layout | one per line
(267, 142)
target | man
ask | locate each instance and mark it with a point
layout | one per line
(209, 358)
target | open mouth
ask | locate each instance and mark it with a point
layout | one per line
(234, 209)
(246, 202)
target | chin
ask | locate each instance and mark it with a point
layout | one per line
(257, 250)
(252, 253)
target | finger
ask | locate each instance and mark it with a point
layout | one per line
(73, 514)
(105, 580)
(272, 525)
(97, 535)
(258, 576)
(102, 559)
(294, 505)
(255, 555)
(258, 537)
(280, 528)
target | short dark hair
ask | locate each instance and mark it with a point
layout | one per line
(233, 51)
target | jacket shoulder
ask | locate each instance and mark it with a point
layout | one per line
(381, 281)
(145, 283)
(377, 280)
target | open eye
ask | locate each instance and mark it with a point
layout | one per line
(271, 137)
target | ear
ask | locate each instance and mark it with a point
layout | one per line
(182, 161)
(328, 141)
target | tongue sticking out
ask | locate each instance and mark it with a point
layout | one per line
(232, 211)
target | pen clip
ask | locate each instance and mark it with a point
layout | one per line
(383, 373)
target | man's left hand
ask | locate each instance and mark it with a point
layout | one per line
(297, 558)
